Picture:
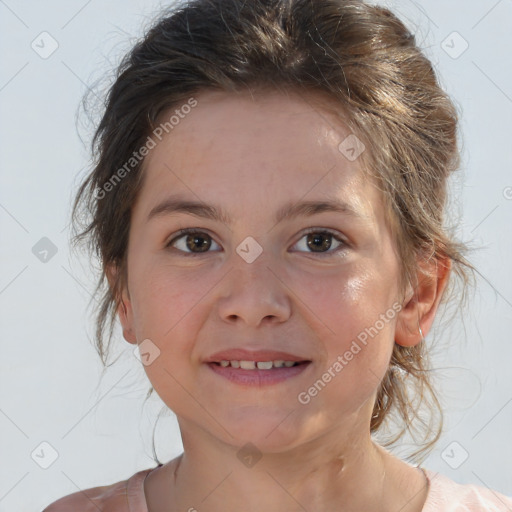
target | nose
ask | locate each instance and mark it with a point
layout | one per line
(254, 293)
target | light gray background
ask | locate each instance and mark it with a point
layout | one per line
(50, 391)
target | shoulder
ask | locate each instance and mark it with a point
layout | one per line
(446, 494)
(107, 498)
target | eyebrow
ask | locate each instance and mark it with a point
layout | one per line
(288, 211)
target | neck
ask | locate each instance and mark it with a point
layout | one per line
(353, 474)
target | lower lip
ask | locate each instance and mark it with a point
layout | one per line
(258, 377)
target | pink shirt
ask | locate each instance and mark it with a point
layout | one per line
(444, 495)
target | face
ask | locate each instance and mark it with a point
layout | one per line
(321, 285)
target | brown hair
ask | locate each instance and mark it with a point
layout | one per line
(378, 81)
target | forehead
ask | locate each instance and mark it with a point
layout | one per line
(259, 147)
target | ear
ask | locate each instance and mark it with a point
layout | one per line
(124, 309)
(420, 305)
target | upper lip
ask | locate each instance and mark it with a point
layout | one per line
(240, 354)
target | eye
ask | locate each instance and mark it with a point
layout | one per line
(195, 242)
(320, 241)
(193, 239)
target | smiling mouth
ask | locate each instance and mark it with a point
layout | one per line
(259, 373)
(259, 365)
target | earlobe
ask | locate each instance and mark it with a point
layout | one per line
(125, 318)
(418, 312)
(124, 309)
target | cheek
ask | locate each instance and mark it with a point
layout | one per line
(346, 302)
(161, 296)
(167, 309)
(357, 309)
(171, 308)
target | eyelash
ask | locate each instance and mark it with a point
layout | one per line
(322, 231)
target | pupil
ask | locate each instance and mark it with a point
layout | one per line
(194, 239)
(315, 239)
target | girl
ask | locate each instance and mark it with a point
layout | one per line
(268, 203)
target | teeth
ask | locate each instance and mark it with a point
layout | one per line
(264, 365)
(261, 365)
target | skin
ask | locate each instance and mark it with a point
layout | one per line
(251, 154)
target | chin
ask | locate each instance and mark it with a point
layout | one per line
(270, 430)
